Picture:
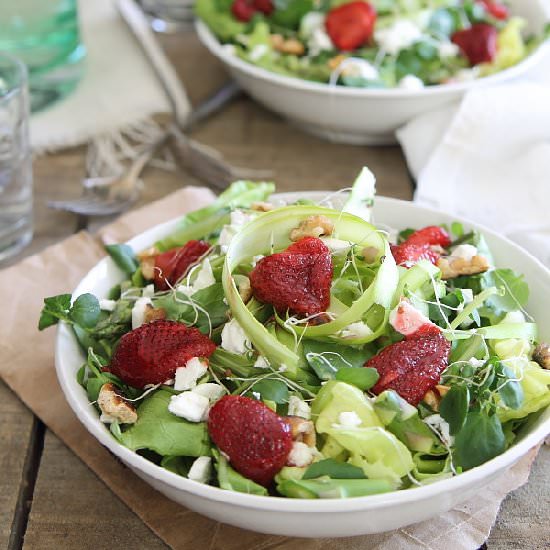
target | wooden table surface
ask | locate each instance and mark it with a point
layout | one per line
(48, 498)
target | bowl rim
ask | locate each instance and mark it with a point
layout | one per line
(89, 417)
(210, 41)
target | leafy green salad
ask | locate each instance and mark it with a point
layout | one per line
(297, 350)
(406, 44)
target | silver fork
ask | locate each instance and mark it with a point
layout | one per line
(105, 196)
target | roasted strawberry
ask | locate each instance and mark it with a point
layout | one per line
(297, 279)
(478, 43)
(406, 254)
(243, 10)
(351, 25)
(172, 265)
(432, 235)
(265, 6)
(151, 353)
(414, 365)
(256, 439)
(496, 9)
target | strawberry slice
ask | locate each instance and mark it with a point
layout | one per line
(256, 439)
(432, 235)
(478, 43)
(151, 353)
(406, 254)
(243, 10)
(172, 265)
(351, 25)
(297, 279)
(414, 365)
(265, 6)
(496, 9)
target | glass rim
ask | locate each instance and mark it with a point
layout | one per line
(22, 75)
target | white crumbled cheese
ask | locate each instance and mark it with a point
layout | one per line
(148, 291)
(107, 305)
(464, 251)
(189, 405)
(256, 259)
(261, 362)
(258, 51)
(201, 469)
(336, 246)
(515, 317)
(476, 363)
(411, 82)
(318, 42)
(310, 22)
(447, 49)
(406, 319)
(257, 395)
(349, 419)
(300, 455)
(234, 339)
(360, 68)
(441, 426)
(205, 276)
(467, 295)
(402, 34)
(238, 219)
(283, 368)
(298, 407)
(229, 49)
(138, 311)
(186, 377)
(211, 391)
(356, 330)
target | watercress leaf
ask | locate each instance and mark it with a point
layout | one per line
(160, 431)
(85, 310)
(93, 386)
(510, 391)
(333, 469)
(442, 23)
(515, 291)
(123, 256)
(454, 407)
(55, 308)
(272, 390)
(178, 464)
(480, 439)
(363, 378)
(231, 480)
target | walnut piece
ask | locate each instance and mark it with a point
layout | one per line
(433, 399)
(245, 290)
(442, 390)
(452, 267)
(313, 226)
(147, 262)
(542, 355)
(114, 407)
(302, 430)
(290, 46)
(154, 313)
(334, 62)
(261, 206)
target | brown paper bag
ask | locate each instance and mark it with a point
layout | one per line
(58, 269)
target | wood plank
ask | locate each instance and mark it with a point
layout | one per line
(16, 428)
(72, 508)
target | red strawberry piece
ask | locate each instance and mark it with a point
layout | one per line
(414, 365)
(432, 235)
(351, 25)
(243, 10)
(151, 353)
(478, 43)
(297, 279)
(256, 439)
(172, 265)
(265, 6)
(496, 9)
(407, 254)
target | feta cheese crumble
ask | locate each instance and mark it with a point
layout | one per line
(189, 405)
(298, 407)
(234, 339)
(402, 34)
(186, 377)
(201, 469)
(204, 279)
(411, 82)
(357, 67)
(107, 305)
(211, 391)
(464, 251)
(441, 426)
(406, 319)
(237, 221)
(138, 311)
(300, 455)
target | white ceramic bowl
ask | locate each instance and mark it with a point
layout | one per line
(356, 115)
(312, 518)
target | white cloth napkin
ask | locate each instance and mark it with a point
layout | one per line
(487, 158)
(119, 92)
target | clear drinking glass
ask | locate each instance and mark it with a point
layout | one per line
(44, 35)
(15, 158)
(168, 15)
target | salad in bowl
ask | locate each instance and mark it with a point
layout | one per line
(406, 44)
(299, 351)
